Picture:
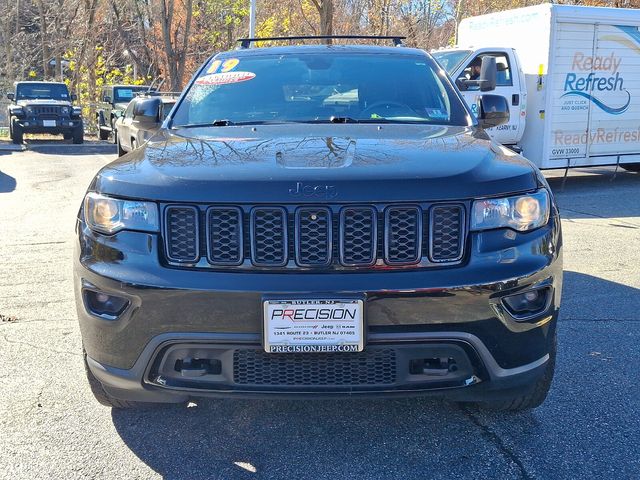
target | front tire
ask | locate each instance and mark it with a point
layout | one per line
(78, 135)
(17, 135)
(103, 133)
(101, 395)
(531, 398)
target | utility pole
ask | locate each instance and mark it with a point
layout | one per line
(252, 19)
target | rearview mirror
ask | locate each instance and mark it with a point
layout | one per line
(10, 96)
(493, 110)
(147, 110)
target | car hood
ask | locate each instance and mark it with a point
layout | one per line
(43, 101)
(317, 163)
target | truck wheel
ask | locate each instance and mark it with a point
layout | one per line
(78, 135)
(104, 134)
(101, 395)
(632, 167)
(531, 398)
(17, 135)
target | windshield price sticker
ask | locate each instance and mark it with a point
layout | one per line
(225, 78)
(306, 326)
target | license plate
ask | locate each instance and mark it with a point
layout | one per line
(293, 326)
(48, 123)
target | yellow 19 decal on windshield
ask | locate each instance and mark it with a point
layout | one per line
(219, 66)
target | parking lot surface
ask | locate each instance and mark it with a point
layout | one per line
(51, 427)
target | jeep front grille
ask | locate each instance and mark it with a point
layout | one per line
(314, 237)
(46, 110)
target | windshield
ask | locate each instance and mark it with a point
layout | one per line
(320, 87)
(30, 91)
(451, 59)
(125, 94)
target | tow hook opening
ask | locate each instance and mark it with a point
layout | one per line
(439, 366)
(198, 367)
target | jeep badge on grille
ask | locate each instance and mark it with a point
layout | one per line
(315, 191)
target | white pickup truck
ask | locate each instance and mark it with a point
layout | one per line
(571, 76)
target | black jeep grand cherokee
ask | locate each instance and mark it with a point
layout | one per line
(321, 221)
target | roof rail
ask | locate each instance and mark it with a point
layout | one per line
(397, 39)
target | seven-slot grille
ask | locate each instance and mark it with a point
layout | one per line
(314, 236)
(46, 110)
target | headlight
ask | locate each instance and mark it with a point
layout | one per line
(521, 213)
(17, 111)
(29, 110)
(110, 215)
(64, 110)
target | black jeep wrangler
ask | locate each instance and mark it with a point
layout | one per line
(44, 107)
(113, 102)
(321, 221)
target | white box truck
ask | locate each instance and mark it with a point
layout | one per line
(570, 74)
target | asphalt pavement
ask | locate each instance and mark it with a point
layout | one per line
(51, 427)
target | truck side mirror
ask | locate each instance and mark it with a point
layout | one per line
(488, 74)
(10, 96)
(74, 97)
(493, 110)
(106, 99)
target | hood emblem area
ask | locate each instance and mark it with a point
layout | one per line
(311, 190)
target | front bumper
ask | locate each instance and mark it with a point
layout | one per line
(443, 313)
(63, 125)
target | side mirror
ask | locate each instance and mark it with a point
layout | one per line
(493, 110)
(147, 110)
(10, 96)
(488, 74)
(74, 97)
(106, 99)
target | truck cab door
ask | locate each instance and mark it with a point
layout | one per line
(507, 85)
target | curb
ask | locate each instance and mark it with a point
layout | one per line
(10, 147)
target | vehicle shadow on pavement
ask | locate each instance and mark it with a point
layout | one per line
(7, 183)
(304, 439)
(59, 147)
(585, 297)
